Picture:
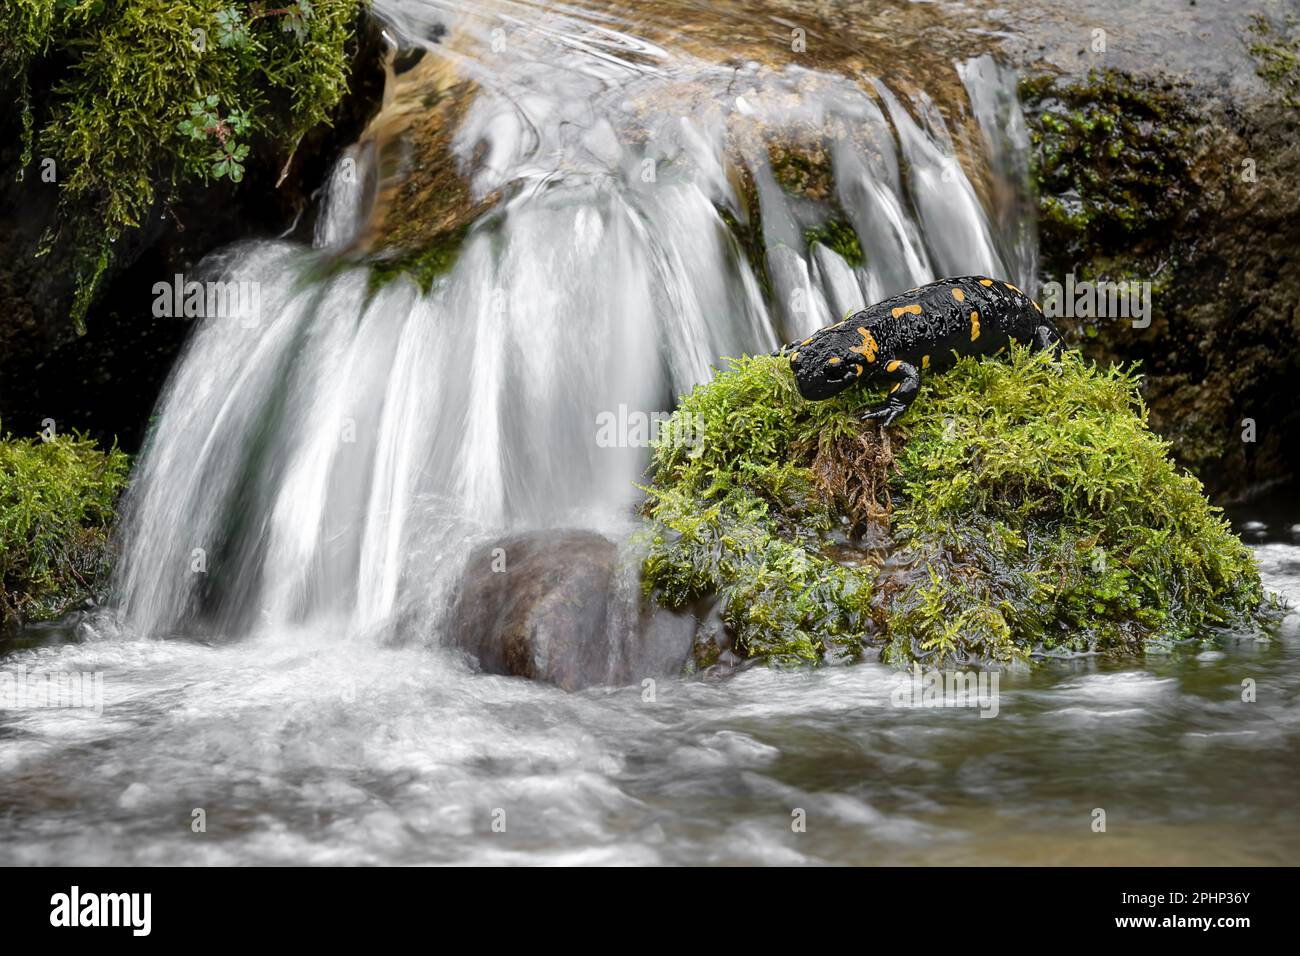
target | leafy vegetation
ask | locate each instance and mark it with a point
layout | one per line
(56, 513)
(131, 99)
(1028, 510)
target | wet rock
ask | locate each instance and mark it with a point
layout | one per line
(1254, 531)
(560, 608)
(1182, 170)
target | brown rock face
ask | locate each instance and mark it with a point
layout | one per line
(553, 607)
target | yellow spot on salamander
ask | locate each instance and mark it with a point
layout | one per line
(986, 282)
(868, 348)
(902, 310)
(974, 326)
(857, 369)
(925, 362)
(794, 358)
(895, 388)
(893, 366)
(807, 341)
(1036, 305)
(959, 295)
(833, 360)
(1011, 287)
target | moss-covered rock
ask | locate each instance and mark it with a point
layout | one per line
(1021, 507)
(57, 501)
(838, 236)
(1196, 191)
(1277, 56)
(121, 100)
(1112, 160)
(107, 380)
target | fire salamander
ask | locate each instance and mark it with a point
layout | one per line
(924, 330)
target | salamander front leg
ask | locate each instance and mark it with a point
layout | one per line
(906, 386)
(1047, 338)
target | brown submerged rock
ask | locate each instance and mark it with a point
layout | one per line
(549, 606)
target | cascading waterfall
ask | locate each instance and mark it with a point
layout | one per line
(329, 459)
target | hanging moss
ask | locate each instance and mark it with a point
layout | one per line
(131, 98)
(56, 513)
(838, 236)
(423, 266)
(1020, 507)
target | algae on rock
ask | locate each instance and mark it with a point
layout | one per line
(1194, 191)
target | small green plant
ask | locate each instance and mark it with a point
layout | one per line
(234, 31)
(57, 501)
(205, 124)
(1021, 507)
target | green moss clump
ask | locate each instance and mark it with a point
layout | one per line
(737, 511)
(838, 236)
(1029, 510)
(1111, 159)
(56, 513)
(131, 98)
(423, 266)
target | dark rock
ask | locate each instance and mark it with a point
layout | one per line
(1205, 154)
(1254, 531)
(559, 607)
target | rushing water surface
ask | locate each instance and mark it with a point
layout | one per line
(275, 652)
(311, 746)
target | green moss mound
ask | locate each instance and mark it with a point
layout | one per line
(1022, 506)
(56, 513)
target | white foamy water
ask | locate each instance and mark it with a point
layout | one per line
(313, 746)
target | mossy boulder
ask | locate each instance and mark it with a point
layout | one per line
(120, 101)
(1021, 508)
(1195, 189)
(101, 172)
(57, 500)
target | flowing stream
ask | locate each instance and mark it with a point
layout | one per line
(320, 467)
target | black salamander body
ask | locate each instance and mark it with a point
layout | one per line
(925, 330)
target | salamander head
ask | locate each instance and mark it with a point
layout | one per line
(825, 365)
